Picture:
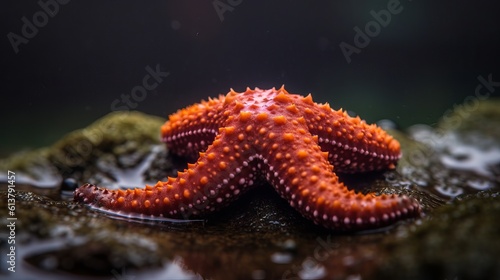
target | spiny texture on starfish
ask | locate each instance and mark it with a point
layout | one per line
(286, 139)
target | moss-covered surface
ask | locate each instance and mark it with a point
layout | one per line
(119, 140)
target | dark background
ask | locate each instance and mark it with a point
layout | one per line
(89, 53)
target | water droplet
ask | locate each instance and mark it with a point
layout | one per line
(281, 258)
(312, 270)
(69, 184)
(479, 184)
(449, 191)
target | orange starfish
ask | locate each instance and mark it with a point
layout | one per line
(285, 138)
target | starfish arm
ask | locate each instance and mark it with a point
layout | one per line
(301, 173)
(352, 144)
(192, 129)
(220, 175)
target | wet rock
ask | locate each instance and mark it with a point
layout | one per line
(460, 156)
(118, 141)
(459, 241)
(32, 168)
(475, 116)
(451, 169)
(75, 239)
(457, 162)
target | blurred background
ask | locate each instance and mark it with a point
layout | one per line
(67, 63)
